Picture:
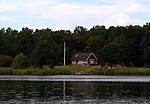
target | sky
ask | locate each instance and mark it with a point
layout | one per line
(67, 14)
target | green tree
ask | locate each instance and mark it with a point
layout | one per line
(45, 50)
(20, 62)
(10, 42)
(59, 37)
(2, 42)
(94, 43)
(111, 54)
(25, 41)
(134, 37)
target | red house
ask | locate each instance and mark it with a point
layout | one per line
(84, 59)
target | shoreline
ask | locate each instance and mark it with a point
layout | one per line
(72, 70)
(99, 78)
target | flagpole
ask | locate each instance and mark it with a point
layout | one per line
(64, 53)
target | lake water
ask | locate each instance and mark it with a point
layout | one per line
(74, 92)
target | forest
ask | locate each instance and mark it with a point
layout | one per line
(128, 45)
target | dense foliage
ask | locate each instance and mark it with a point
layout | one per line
(5, 60)
(129, 45)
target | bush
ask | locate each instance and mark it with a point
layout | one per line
(6, 71)
(20, 62)
(5, 60)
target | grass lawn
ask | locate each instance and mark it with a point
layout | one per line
(70, 70)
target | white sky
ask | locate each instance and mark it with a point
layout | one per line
(67, 14)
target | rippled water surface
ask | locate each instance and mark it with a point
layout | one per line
(28, 92)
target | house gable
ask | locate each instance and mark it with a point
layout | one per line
(92, 60)
(91, 56)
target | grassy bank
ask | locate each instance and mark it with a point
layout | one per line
(70, 70)
(122, 71)
(29, 71)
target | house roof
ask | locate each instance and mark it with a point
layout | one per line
(80, 56)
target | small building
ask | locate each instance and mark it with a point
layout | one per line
(84, 59)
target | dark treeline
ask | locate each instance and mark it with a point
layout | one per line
(129, 45)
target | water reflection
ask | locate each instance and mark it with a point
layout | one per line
(73, 92)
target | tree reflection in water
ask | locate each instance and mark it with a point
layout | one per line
(73, 92)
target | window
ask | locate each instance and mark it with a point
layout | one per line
(91, 61)
(76, 55)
